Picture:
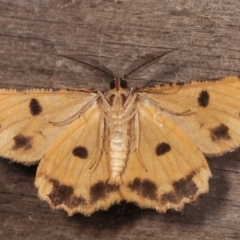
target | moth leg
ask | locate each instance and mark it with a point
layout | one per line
(137, 140)
(100, 145)
(129, 106)
(130, 117)
(105, 102)
(130, 101)
(125, 120)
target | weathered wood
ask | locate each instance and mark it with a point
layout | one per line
(117, 33)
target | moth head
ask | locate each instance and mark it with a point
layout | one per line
(118, 84)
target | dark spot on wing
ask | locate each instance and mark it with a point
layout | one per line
(149, 189)
(220, 133)
(183, 188)
(135, 185)
(162, 148)
(169, 197)
(21, 141)
(80, 152)
(63, 194)
(203, 99)
(35, 107)
(100, 190)
(146, 188)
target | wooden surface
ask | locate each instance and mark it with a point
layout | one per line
(117, 33)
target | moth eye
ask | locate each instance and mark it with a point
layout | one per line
(123, 84)
(112, 84)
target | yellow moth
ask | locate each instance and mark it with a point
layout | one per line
(141, 145)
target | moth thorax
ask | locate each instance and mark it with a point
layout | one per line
(117, 100)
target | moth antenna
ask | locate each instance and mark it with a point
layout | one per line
(106, 71)
(149, 61)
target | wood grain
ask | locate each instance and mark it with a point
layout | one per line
(117, 34)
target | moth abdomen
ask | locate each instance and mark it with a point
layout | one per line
(118, 153)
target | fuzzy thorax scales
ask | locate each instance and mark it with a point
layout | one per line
(119, 107)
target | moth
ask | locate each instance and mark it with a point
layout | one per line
(143, 145)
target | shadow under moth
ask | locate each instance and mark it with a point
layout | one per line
(143, 145)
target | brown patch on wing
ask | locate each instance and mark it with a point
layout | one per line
(146, 188)
(162, 148)
(183, 188)
(63, 194)
(35, 107)
(220, 133)
(169, 197)
(80, 152)
(100, 190)
(21, 141)
(203, 99)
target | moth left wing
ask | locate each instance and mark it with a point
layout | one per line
(67, 177)
(208, 111)
(27, 120)
(172, 170)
